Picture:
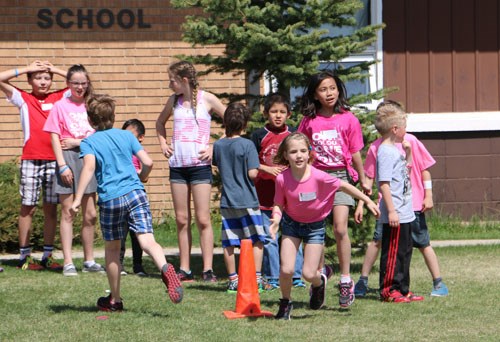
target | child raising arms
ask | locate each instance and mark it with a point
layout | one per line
(336, 137)
(304, 197)
(238, 163)
(190, 158)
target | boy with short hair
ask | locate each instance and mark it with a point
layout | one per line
(397, 216)
(122, 199)
(267, 140)
(38, 163)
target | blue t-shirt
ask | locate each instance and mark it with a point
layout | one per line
(391, 167)
(115, 173)
(234, 157)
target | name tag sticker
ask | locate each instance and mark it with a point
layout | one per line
(47, 106)
(307, 196)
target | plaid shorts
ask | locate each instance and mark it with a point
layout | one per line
(35, 176)
(128, 211)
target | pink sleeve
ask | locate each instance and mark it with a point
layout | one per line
(355, 134)
(371, 159)
(279, 195)
(422, 156)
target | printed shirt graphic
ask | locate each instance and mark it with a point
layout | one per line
(191, 134)
(334, 140)
(34, 112)
(69, 120)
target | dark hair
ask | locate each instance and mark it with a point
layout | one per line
(80, 68)
(280, 159)
(137, 124)
(101, 111)
(310, 105)
(274, 98)
(236, 118)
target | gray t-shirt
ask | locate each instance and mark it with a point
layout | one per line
(392, 168)
(234, 157)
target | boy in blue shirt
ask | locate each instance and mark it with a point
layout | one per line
(122, 200)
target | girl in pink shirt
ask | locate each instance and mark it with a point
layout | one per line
(336, 137)
(303, 199)
(68, 125)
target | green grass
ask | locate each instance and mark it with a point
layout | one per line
(45, 306)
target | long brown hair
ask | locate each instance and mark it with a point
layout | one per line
(185, 69)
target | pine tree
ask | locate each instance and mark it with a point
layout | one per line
(286, 39)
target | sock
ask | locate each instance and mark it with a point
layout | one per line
(259, 277)
(24, 252)
(437, 281)
(345, 278)
(233, 276)
(89, 263)
(364, 279)
(47, 251)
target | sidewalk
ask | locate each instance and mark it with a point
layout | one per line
(173, 251)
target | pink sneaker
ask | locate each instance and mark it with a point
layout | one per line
(172, 282)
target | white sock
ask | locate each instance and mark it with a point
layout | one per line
(345, 278)
(89, 263)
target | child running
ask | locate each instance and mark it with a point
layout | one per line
(122, 200)
(136, 127)
(238, 163)
(68, 125)
(336, 137)
(267, 140)
(38, 165)
(304, 197)
(190, 158)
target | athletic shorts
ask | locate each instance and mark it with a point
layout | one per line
(75, 163)
(35, 176)
(341, 198)
(238, 224)
(128, 211)
(191, 175)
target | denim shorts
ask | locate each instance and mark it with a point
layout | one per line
(191, 175)
(313, 232)
(419, 231)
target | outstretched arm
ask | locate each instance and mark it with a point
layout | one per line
(354, 192)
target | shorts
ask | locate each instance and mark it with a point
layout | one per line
(238, 224)
(341, 198)
(313, 233)
(419, 233)
(75, 163)
(35, 176)
(128, 211)
(191, 175)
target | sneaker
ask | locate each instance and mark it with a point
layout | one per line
(232, 286)
(29, 263)
(346, 297)
(93, 269)
(360, 289)
(317, 295)
(272, 284)
(285, 309)
(123, 272)
(185, 277)
(396, 297)
(104, 304)
(209, 277)
(49, 263)
(441, 290)
(298, 283)
(328, 271)
(69, 270)
(139, 270)
(173, 283)
(413, 297)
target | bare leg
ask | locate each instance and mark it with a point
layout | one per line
(370, 257)
(181, 196)
(66, 227)
(88, 226)
(258, 254)
(50, 223)
(340, 217)
(152, 248)
(288, 254)
(431, 261)
(229, 260)
(112, 255)
(25, 221)
(201, 200)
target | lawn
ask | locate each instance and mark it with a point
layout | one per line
(45, 306)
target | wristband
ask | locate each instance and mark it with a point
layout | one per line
(17, 72)
(64, 168)
(276, 213)
(427, 184)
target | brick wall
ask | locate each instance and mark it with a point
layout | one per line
(127, 63)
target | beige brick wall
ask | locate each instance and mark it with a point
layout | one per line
(129, 64)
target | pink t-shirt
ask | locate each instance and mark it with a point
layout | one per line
(421, 160)
(334, 140)
(69, 120)
(307, 201)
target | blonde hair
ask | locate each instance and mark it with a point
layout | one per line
(389, 113)
(280, 159)
(185, 69)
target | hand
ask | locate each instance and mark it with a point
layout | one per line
(428, 204)
(275, 170)
(406, 146)
(74, 208)
(393, 219)
(358, 214)
(374, 209)
(206, 154)
(70, 143)
(67, 177)
(38, 66)
(274, 227)
(366, 187)
(168, 152)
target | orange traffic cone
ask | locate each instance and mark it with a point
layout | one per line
(247, 297)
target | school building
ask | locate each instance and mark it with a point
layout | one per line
(443, 55)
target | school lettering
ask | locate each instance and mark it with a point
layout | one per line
(104, 18)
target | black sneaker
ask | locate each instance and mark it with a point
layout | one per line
(285, 309)
(317, 295)
(185, 277)
(139, 270)
(104, 304)
(209, 277)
